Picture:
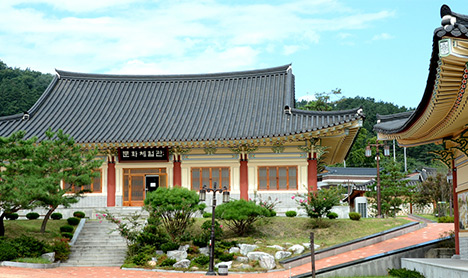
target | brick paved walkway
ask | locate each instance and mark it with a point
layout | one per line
(431, 232)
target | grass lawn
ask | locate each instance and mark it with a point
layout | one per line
(428, 216)
(280, 230)
(17, 228)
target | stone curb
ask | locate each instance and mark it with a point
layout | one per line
(30, 265)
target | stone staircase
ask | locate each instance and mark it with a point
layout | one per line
(98, 244)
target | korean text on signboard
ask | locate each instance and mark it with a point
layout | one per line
(142, 154)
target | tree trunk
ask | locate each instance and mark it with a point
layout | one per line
(2, 225)
(46, 218)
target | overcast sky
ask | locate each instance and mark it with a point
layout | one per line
(371, 48)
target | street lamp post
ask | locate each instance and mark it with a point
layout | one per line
(225, 192)
(377, 157)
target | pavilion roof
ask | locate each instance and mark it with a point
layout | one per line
(441, 112)
(234, 108)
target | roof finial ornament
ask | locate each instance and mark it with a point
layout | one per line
(25, 116)
(451, 18)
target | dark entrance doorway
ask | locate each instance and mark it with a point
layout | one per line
(151, 182)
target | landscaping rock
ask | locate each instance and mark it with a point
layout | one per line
(159, 252)
(184, 247)
(194, 268)
(49, 256)
(229, 264)
(247, 248)
(277, 247)
(296, 249)
(242, 259)
(267, 262)
(255, 256)
(152, 263)
(177, 255)
(282, 254)
(205, 251)
(245, 266)
(182, 264)
(307, 245)
(234, 250)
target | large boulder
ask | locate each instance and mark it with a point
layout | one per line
(296, 249)
(247, 248)
(177, 255)
(182, 264)
(266, 260)
(49, 256)
(282, 255)
(234, 250)
(277, 247)
(205, 251)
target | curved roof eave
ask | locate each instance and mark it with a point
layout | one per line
(455, 30)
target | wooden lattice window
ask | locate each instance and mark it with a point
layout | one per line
(277, 178)
(209, 175)
(94, 187)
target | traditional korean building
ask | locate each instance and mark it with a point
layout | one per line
(237, 129)
(442, 115)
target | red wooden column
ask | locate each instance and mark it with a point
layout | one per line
(111, 182)
(177, 178)
(244, 178)
(456, 221)
(312, 173)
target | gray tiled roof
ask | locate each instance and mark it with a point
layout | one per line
(97, 108)
(350, 171)
(453, 25)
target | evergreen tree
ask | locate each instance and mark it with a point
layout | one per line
(393, 188)
(32, 172)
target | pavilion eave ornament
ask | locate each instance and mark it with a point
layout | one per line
(312, 147)
(244, 149)
(178, 150)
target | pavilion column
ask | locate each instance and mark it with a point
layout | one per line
(312, 172)
(177, 171)
(244, 178)
(456, 221)
(111, 182)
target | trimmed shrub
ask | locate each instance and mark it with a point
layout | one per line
(445, 219)
(272, 213)
(67, 235)
(226, 257)
(201, 260)
(405, 273)
(12, 216)
(169, 246)
(29, 247)
(32, 215)
(66, 229)
(240, 215)
(291, 213)
(79, 214)
(200, 240)
(7, 251)
(168, 262)
(332, 215)
(73, 221)
(56, 216)
(175, 208)
(207, 215)
(354, 216)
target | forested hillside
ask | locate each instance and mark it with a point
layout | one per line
(417, 157)
(20, 89)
